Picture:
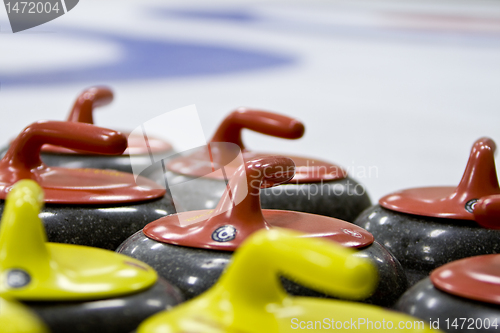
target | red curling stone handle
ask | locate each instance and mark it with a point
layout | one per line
(487, 211)
(87, 101)
(24, 152)
(259, 121)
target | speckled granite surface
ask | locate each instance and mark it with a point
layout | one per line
(100, 226)
(423, 243)
(424, 301)
(115, 315)
(194, 270)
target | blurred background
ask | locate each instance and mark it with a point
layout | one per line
(396, 92)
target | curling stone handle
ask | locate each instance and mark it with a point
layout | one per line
(252, 278)
(480, 176)
(487, 212)
(22, 235)
(87, 101)
(268, 171)
(240, 203)
(24, 152)
(238, 213)
(259, 121)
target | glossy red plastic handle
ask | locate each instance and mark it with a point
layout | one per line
(246, 214)
(259, 121)
(268, 171)
(24, 152)
(239, 208)
(480, 181)
(87, 101)
(487, 212)
(480, 176)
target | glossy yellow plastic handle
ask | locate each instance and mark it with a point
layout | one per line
(22, 235)
(32, 269)
(249, 297)
(321, 265)
(15, 318)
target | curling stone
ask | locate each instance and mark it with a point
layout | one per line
(249, 298)
(93, 207)
(191, 249)
(73, 288)
(461, 296)
(427, 227)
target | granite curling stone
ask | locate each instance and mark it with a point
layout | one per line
(428, 227)
(461, 296)
(93, 207)
(191, 249)
(73, 288)
(249, 298)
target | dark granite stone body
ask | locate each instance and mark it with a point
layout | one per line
(422, 243)
(75, 161)
(115, 315)
(425, 301)
(344, 199)
(119, 163)
(105, 227)
(194, 270)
